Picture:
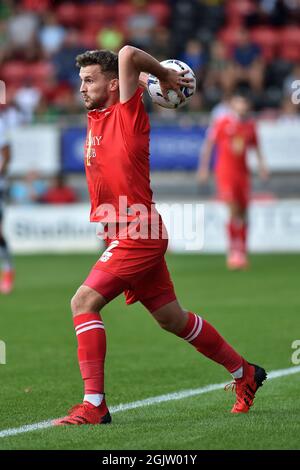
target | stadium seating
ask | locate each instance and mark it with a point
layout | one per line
(184, 19)
(96, 12)
(88, 38)
(229, 36)
(69, 14)
(290, 44)
(161, 11)
(14, 72)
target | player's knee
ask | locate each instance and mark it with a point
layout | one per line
(86, 300)
(80, 303)
(173, 325)
(75, 304)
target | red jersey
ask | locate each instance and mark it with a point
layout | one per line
(117, 159)
(233, 138)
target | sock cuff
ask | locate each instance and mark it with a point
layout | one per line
(192, 328)
(87, 321)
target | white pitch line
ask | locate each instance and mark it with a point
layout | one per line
(148, 401)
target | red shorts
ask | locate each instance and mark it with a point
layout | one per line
(135, 267)
(234, 189)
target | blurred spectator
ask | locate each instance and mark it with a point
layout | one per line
(64, 58)
(3, 39)
(59, 192)
(161, 46)
(220, 74)
(11, 115)
(31, 53)
(194, 56)
(293, 8)
(22, 27)
(110, 37)
(58, 99)
(276, 10)
(28, 98)
(29, 190)
(186, 19)
(246, 52)
(51, 34)
(140, 25)
(6, 9)
(248, 64)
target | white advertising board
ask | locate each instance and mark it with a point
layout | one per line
(35, 148)
(280, 144)
(193, 227)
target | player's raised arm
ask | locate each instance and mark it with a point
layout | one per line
(133, 61)
(143, 79)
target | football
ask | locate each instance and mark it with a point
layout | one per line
(174, 101)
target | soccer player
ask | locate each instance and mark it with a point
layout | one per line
(7, 272)
(117, 166)
(233, 134)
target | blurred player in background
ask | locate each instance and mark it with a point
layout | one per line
(233, 134)
(117, 164)
(7, 271)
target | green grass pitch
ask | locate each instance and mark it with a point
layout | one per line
(258, 311)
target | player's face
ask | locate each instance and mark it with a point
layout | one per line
(94, 86)
(240, 106)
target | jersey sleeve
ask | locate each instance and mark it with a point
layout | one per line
(133, 114)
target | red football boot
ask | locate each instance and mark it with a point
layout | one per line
(85, 413)
(7, 282)
(246, 387)
(237, 260)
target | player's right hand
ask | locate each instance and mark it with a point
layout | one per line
(202, 175)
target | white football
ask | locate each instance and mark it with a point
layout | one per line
(174, 101)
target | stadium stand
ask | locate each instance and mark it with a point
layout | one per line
(249, 43)
(79, 25)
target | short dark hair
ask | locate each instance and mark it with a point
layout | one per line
(242, 93)
(107, 60)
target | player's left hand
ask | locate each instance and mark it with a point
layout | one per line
(174, 81)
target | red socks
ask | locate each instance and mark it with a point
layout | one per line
(237, 233)
(209, 342)
(91, 339)
(92, 347)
